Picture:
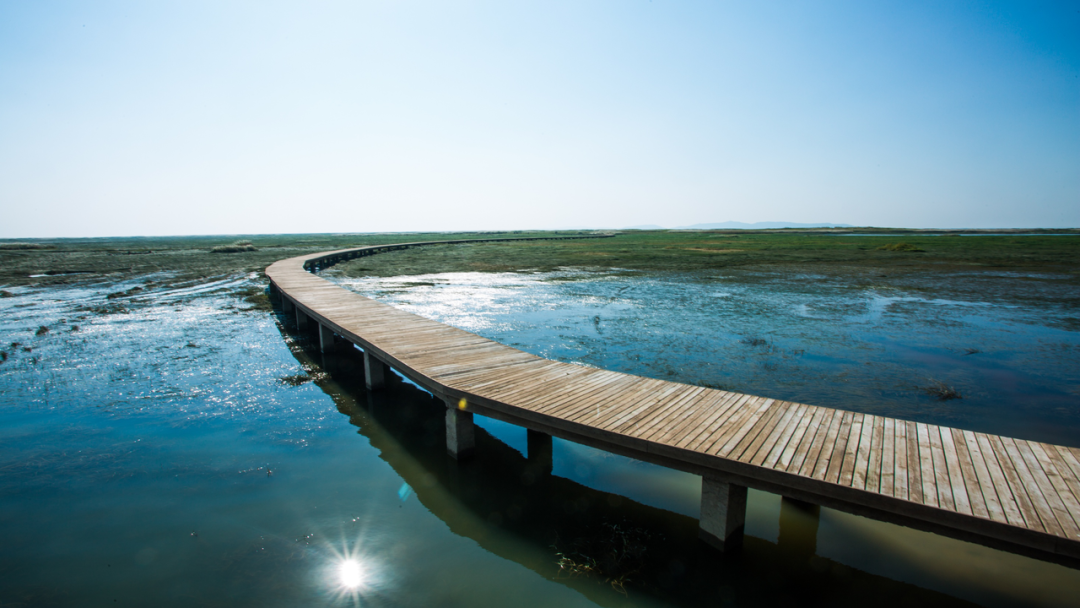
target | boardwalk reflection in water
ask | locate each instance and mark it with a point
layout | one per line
(613, 549)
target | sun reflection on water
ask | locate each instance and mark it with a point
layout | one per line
(351, 574)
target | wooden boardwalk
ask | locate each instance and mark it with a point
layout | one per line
(1019, 495)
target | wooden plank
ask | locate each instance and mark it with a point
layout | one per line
(851, 452)
(558, 394)
(984, 482)
(707, 427)
(800, 446)
(514, 380)
(605, 399)
(504, 378)
(640, 401)
(751, 408)
(862, 456)
(494, 379)
(955, 468)
(649, 405)
(941, 470)
(887, 482)
(874, 466)
(1009, 504)
(839, 448)
(682, 412)
(817, 461)
(780, 457)
(915, 466)
(631, 391)
(1046, 489)
(769, 451)
(592, 400)
(678, 403)
(438, 356)
(1072, 464)
(748, 432)
(702, 410)
(901, 473)
(931, 495)
(1032, 517)
(738, 440)
(1059, 476)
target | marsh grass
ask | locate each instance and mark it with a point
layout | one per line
(24, 246)
(295, 380)
(237, 247)
(900, 247)
(124, 294)
(189, 258)
(310, 374)
(104, 309)
(256, 297)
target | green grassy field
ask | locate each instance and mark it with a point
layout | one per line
(182, 259)
(679, 251)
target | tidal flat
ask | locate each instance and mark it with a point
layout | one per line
(169, 437)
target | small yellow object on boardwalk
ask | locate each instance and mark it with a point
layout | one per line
(1019, 495)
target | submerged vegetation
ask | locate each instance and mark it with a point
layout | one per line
(942, 391)
(614, 556)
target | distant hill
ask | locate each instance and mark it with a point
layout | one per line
(758, 226)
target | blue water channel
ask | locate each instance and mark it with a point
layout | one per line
(178, 448)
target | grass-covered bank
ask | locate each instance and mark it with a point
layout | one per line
(888, 251)
(684, 251)
(65, 261)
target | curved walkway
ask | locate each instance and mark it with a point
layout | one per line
(1022, 496)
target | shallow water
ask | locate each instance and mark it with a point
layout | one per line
(1009, 344)
(170, 451)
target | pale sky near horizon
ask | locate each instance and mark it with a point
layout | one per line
(154, 118)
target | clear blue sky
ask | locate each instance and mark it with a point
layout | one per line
(149, 118)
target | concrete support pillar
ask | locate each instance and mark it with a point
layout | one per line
(460, 432)
(326, 338)
(301, 320)
(540, 454)
(723, 513)
(798, 527)
(375, 372)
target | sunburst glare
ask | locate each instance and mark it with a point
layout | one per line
(351, 574)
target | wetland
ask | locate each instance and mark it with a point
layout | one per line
(170, 438)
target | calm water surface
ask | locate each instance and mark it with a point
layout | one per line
(179, 450)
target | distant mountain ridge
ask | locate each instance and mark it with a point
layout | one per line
(739, 226)
(758, 226)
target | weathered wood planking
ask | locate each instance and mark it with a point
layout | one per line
(1020, 495)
